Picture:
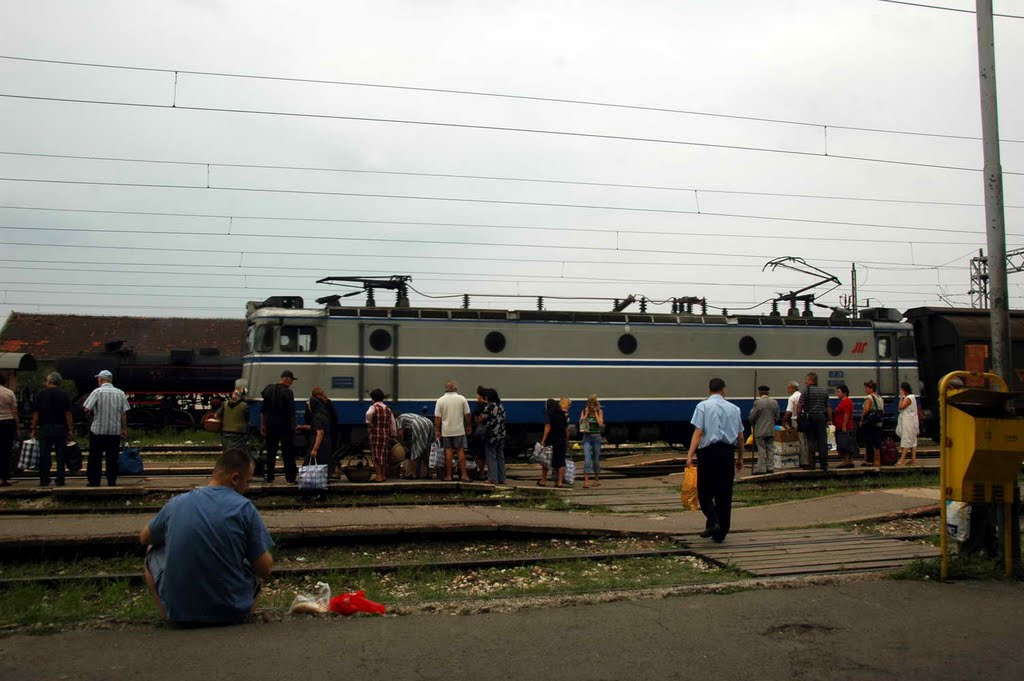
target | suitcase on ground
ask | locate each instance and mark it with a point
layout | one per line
(890, 452)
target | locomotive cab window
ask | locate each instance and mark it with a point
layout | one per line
(263, 338)
(298, 338)
(884, 348)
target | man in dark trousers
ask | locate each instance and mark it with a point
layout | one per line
(277, 425)
(108, 408)
(718, 433)
(52, 426)
(814, 403)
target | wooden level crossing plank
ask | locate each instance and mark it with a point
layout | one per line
(811, 551)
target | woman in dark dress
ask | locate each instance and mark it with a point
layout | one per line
(556, 434)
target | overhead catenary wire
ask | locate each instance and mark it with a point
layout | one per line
(243, 252)
(495, 178)
(508, 129)
(641, 209)
(489, 94)
(624, 232)
(958, 10)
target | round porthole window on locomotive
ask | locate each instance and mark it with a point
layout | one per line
(748, 345)
(834, 346)
(380, 340)
(495, 341)
(627, 344)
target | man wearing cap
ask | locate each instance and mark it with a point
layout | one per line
(108, 408)
(277, 424)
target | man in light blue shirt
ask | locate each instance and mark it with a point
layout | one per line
(209, 549)
(718, 431)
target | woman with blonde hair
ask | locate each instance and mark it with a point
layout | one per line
(591, 427)
(556, 434)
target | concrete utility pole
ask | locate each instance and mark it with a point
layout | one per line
(999, 308)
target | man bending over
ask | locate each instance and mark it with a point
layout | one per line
(209, 549)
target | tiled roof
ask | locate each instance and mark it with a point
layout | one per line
(49, 336)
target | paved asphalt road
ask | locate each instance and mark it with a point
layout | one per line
(859, 630)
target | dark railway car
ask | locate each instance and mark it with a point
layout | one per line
(959, 339)
(165, 389)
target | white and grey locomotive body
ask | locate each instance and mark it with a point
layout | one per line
(649, 370)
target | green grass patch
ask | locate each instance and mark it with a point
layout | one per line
(52, 607)
(360, 554)
(961, 566)
(770, 492)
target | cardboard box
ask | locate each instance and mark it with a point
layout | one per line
(784, 435)
(786, 461)
(787, 448)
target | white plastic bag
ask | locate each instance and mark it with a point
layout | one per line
(541, 455)
(831, 438)
(570, 472)
(312, 604)
(436, 459)
(958, 520)
(313, 478)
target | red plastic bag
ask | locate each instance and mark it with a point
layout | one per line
(351, 603)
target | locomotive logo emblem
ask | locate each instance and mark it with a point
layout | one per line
(860, 347)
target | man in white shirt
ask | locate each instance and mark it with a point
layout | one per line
(789, 420)
(108, 408)
(452, 422)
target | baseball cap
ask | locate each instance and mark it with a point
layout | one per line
(287, 373)
(105, 374)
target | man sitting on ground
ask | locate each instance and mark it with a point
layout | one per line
(209, 549)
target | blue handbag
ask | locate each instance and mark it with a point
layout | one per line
(129, 462)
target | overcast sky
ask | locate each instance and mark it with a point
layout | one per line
(570, 199)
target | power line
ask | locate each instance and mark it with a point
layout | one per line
(498, 128)
(487, 258)
(740, 216)
(257, 271)
(946, 9)
(494, 178)
(498, 95)
(718, 234)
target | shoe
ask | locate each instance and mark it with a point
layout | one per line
(718, 538)
(92, 484)
(845, 465)
(711, 532)
(44, 483)
(5, 483)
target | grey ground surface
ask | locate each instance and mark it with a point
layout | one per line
(859, 630)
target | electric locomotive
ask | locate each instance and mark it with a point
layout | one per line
(649, 370)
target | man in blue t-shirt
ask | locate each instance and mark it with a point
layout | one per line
(209, 549)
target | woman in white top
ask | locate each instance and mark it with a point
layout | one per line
(907, 427)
